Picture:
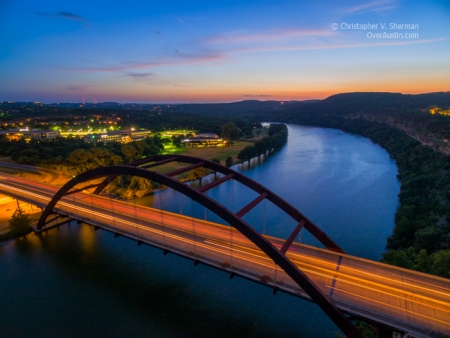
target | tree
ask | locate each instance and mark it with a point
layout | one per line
(154, 146)
(140, 186)
(398, 258)
(268, 143)
(229, 161)
(79, 157)
(20, 223)
(166, 140)
(141, 147)
(251, 152)
(247, 153)
(215, 160)
(428, 238)
(260, 148)
(229, 131)
(423, 261)
(115, 160)
(176, 141)
(197, 174)
(82, 160)
(130, 152)
(441, 263)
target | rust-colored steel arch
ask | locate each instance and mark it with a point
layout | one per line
(228, 173)
(277, 255)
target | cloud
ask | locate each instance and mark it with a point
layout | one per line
(46, 15)
(260, 95)
(78, 88)
(184, 23)
(71, 16)
(268, 36)
(177, 59)
(336, 46)
(131, 68)
(65, 15)
(293, 40)
(374, 6)
(140, 75)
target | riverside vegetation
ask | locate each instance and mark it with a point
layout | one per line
(19, 225)
(278, 134)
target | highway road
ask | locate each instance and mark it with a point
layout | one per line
(411, 301)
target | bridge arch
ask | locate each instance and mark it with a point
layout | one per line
(137, 168)
(153, 161)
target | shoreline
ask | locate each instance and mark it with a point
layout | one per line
(8, 206)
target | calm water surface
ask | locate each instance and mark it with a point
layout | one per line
(74, 282)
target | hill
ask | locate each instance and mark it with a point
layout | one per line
(421, 116)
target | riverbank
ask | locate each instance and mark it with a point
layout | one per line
(8, 206)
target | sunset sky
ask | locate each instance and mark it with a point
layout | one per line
(219, 51)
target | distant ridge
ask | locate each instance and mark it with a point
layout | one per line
(371, 100)
(376, 103)
(357, 99)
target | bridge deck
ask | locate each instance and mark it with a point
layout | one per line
(414, 302)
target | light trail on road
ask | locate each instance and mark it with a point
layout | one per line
(411, 301)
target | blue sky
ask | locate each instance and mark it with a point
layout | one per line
(220, 51)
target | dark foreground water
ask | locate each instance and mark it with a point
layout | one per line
(75, 282)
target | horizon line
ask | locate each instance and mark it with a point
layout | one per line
(227, 102)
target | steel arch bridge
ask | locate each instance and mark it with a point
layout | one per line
(140, 168)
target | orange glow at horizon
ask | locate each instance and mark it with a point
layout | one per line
(279, 94)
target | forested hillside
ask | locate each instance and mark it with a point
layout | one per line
(410, 113)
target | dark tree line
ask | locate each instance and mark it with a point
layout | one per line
(277, 138)
(76, 155)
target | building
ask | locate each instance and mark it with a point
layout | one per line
(121, 136)
(204, 140)
(28, 135)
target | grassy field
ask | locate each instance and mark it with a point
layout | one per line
(208, 153)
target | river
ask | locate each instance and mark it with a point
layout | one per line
(74, 282)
